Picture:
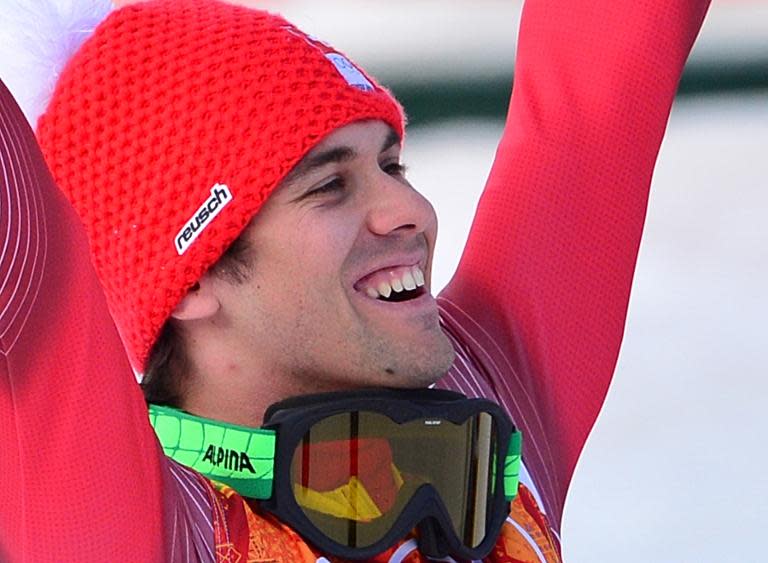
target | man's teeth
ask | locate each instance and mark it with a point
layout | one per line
(384, 289)
(408, 282)
(406, 279)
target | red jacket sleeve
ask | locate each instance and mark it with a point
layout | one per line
(82, 475)
(547, 270)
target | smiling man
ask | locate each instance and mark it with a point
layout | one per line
(345, 243)
(250, 219)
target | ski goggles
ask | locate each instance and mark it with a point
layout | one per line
(356, 472)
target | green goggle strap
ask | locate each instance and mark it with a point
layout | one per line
(512, 465)
(244, 458)
(238, 456)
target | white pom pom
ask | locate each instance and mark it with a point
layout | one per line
(37, 38)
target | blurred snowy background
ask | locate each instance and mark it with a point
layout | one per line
(675, 468)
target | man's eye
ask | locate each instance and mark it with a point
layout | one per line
(335, 185)
(395, 169)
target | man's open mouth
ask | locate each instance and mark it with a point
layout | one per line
(394, 285)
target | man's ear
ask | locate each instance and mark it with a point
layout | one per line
(201, 302)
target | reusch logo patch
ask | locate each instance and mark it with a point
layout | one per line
(220, 196)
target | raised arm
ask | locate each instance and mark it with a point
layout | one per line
(82, 476)
(542, 289)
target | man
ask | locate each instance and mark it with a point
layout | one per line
(250, 220)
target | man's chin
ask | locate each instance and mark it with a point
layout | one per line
(424, 372)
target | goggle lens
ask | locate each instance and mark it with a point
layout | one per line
(354, 473)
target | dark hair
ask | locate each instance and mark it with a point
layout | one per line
(167, 365)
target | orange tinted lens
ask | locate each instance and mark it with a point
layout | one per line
(354, 473)
(344, 478)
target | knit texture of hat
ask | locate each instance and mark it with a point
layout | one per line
(170, 127)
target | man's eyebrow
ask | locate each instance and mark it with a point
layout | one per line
(320, 159)
(334, 155)
(392, 139)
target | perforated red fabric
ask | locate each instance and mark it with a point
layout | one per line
(166, 100)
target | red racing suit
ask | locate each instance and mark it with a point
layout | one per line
(536, 310)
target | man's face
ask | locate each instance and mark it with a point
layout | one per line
(338, 294)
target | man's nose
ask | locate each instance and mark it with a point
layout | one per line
(397, 206)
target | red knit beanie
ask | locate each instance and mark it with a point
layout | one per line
(170, 127)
